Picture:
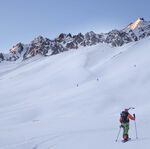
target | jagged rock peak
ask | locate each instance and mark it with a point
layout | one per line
(63, 35)
(18, 47)
(38, 39)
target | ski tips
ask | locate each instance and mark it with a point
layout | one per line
(130, 108)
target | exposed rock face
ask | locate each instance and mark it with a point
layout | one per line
(18, 48)
(1, 57)
(64, 42)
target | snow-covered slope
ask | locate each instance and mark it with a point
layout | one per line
(73, 100)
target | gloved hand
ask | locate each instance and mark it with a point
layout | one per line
(134, 115)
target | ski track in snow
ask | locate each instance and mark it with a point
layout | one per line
(73, 100)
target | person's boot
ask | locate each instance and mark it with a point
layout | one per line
(129, 137)
(125, 137)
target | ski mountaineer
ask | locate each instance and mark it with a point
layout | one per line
(124, 120)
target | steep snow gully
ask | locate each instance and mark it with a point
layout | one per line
(73, 100)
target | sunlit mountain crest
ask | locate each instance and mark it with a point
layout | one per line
(135, 24)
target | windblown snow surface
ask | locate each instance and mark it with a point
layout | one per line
(73, 100)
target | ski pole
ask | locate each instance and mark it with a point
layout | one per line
(136, 130)
(118, 134)
(135, 127)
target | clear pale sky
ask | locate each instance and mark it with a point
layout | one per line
(23, 20)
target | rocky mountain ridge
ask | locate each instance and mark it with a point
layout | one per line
(64, 42)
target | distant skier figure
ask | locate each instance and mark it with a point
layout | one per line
(124, 120)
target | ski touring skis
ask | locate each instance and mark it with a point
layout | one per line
(124, 141)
